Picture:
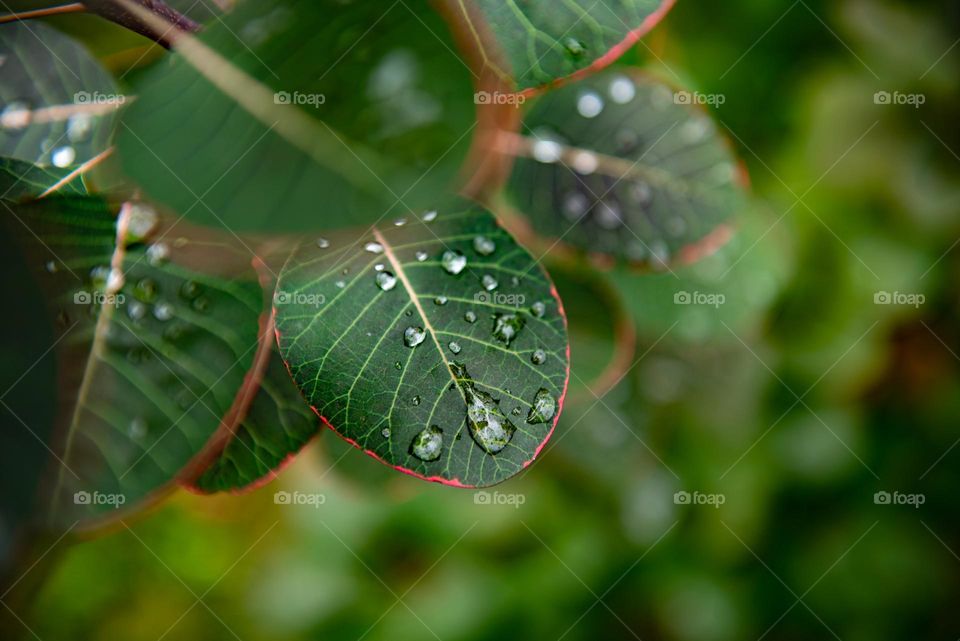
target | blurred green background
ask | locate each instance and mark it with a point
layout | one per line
(792, 403)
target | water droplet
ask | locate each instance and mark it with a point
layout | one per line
(386, 281)
(695, 129)
(137, 428)
(484, 246)
(430, 216)
(516, 411)
(163, 311)
(538, 357)
(574, 47)
(489, 282)
(421, 256)
(136, 310)
(440, 300)
(427, 444)
(379, 267)
(538, 309)
(385, 432)
(489, 427)
(413, 336)
(345, 271)
(622, 90)
(340, 284)
(145, 290)
(374, 248)
(608, 215)
(415, 400)
(547, 151)
(544, 407)
(409, 312)
(400, 222)
(51, 267)
(141, 220)
(454, 347)
(575, 205)
(79, 127)
(470, 317)
(115, 280)
(200, 303)
(628, 142)
(63, 156)
(454, 262)
(584, 163)
(641, 193)
(190, 289)
(158, 253)
(323, 243)
(506, 327)
(590, 104)
(16, 115)
(398, 366)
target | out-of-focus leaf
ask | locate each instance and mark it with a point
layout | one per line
(22, 181)
(621, 165)
(291, 115)
(538, 42)
(56, 102)
(438, 346)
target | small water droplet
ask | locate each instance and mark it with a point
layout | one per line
(695, 129)
(413, 336)
(190, 290)
(79, 127)
(323, 243)
(470, 317)
(427, 444)
(340, 284)
(51, 267)
(145, 290)
(575, 205)
(345, 271)
(63, 156)
(590, 104)
(538, 309)
(454, 347)
(608, 214)
(641, 193)
(515, 281)
(574, 47)
(538, 357)
(141, 220)
(379, 267)
(484, 246)
(374, 248)
(421, 256)
(415, 400)
(136, 310)
(158, 253)
(489, 427)
(430, 216)
(622, 90)
(400, 222)
(440, 300)
(547, 151)
(386, 281)
(385, 432)
(584, 163)
(137, 429)
(409, 312)
(544, 407)
(454, 262)
(489, 282)
(516, 411)
(507, 326)
(398, 366)
(201, 303)
(163, 311)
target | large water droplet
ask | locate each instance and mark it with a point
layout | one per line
(427, 444)
(386, 281)
(590, 104)
(484, 246)
(489, 427)
(507, 326)
(544, 407)
(63, 156)
(538, 357)
(374, 248)
(453, 261)
(413, 336)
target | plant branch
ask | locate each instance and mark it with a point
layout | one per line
(74, 7)
(115, 12)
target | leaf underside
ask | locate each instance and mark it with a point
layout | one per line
(618, 165)
(389, 342)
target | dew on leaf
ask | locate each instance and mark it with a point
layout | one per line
(608, 215)
(453, 262)
(641, 193)
(470, 317)
(398, 366)
(538, 357)
(543, 408)
(483, 245)
(400, 222)
(379, 267)
(584, 163)
(16, 115)
(158, 254)
(386, 281)
(145, 290)
(63, 156)
(340, 284)
(547, 151)
(323, 243)
(201, 303)
(575, 205)
(137, 428)
(163, 311)
(454, 347)
(430, 216)
(538, 309)
(489, 282)
(385, 432)
(190, 290)
(415, 400)
(413, 336)
(374, 248)
(79, 127)
(427, 444)
(421, 256)
(51, 266)
(489, 427)
(141, 221)
(574, 47)
(136, 310)
(622, 90)
(506, 327)
(589, 104)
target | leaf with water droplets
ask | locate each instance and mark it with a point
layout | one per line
(639, 174)
(57, 103)
(459, 361)
(539, 42)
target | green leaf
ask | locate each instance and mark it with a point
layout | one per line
(157, 344)
(539, 42)
(621, 165)
(276, 427)
(392, 335)
(302, 115)
(23, 181)
(57, 103)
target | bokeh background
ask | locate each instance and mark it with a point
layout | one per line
(793, 403)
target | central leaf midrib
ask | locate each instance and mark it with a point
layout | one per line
(412, 295)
